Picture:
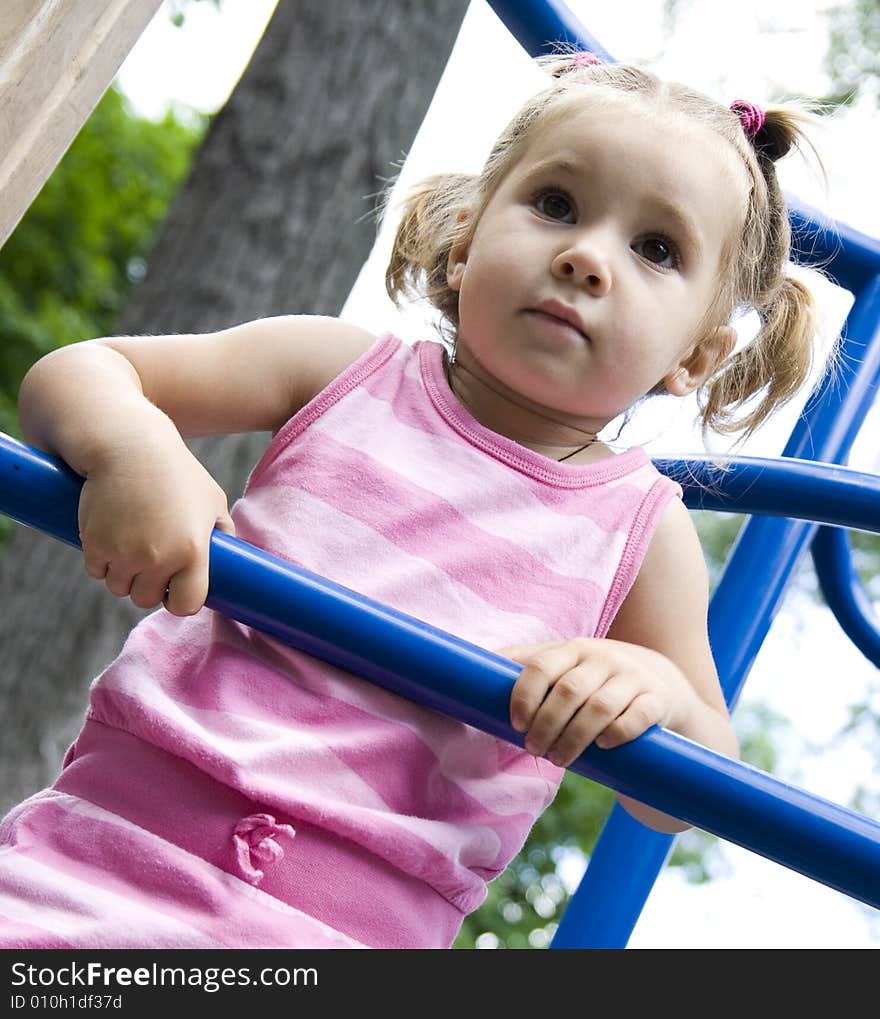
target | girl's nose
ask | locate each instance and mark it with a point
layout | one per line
(585, 264)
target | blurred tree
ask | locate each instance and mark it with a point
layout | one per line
(177, 9)
(66, 271)
(853, 58)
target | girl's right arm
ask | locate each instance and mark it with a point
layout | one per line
(117, 411)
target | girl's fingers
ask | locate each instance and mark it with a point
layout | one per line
(188, 589)
(147, 590)
(173, 570)
(612, 715)
(565, 700)
(585, 727)
(96, 565)
(225, 524)
(574, 693)
(541, 670)
(642, 711)
(118, 580)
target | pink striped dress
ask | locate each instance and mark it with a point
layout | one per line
(229, 791)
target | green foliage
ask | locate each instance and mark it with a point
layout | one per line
(853, 57)
(177, 13)
(866, 558)
(66, 270)
(717, 533)
(863, 728)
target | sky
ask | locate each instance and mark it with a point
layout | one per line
(807, 670)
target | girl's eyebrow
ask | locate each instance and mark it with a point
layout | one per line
(685, 225)
(555, 165)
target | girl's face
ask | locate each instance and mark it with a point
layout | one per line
(585, 281)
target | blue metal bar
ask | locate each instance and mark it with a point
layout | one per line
(600, 913)
(844, 592)
(832, 417)
(827, 842)
(797, 489)
(538, 24)
(850, 257)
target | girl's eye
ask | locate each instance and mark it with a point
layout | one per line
(658, 251)
(555, 205)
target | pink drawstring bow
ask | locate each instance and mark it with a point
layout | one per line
(256, 841)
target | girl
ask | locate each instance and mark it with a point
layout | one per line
(226, 790)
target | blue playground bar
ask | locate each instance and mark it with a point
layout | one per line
(824, 841)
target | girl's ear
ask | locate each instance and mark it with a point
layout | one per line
(455, 273)
(458, 255)
(701, 362)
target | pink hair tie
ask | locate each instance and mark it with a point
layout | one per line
(751, 116)
(585, 59)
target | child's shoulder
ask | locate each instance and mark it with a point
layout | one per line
(300, 355)
(320, 347)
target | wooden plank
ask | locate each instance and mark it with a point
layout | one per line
(57, 58)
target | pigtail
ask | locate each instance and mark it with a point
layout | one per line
(431, 223)
(786, 128)
(769, 370)
(773, 366)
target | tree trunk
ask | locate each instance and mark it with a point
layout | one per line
(274, 218)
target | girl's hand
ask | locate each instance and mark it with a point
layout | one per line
(146, 513)
(572, 693)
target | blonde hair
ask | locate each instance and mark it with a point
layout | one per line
(444, 209)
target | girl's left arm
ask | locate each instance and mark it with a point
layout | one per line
(655, 667)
